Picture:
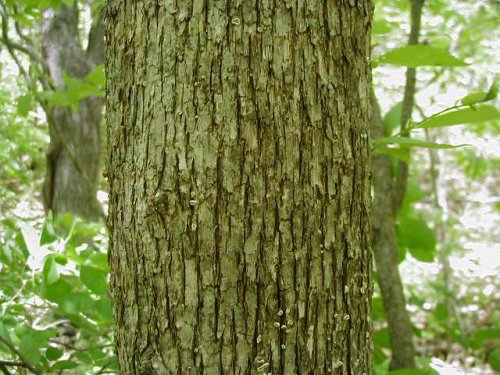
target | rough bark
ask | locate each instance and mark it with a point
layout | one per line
(73, 159)
(386, 254)
(239, 186)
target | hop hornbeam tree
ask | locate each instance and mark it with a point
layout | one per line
(239, 186)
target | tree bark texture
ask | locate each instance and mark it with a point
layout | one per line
(73, 160)
(386, 254)
(239, 186)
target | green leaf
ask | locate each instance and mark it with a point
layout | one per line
(441, 312)
(17, 244)
(32, 341)
(462, 116)
(61, 259)
(42, 336)
(84, 357)
(392, 119)
(413, 194)
(494, 359)
(112, 364)
(57, 97)
(411, 142)
(104, 310)
(479, 97)
(413, 371)
(398, 153)
(29, 238)
(420, 240)
(402, 251)
(422, 255)
(100, 261)
(6, 319)
(418, 55)
(378, 355)
(381, 338)
(48, 234)
(24, 104)
(98, 355)
(56, 292)
(94, 279)
(64, 225)
(479, 338)
(53, 354)
(97, 76)
(76, 90)
(441, 289)
(493, 91)
(65, 365)
(474, 98)
(378, 311)
(30, 349)
(457, 336)
(76, 303)
(50, 273)
(85, 323)
(381, 26)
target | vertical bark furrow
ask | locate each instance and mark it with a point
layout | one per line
(244, 238)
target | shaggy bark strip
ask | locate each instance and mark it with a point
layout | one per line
(239, 186)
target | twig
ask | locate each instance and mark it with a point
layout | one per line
(19, 31)
(103, 368)
(23, 359)
(12, 363)
(408, 103)
(12, 47)
(4, 369)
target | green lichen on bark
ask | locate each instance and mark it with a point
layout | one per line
(239, 175)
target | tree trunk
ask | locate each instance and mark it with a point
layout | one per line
(386, 254)
(73, 160)
(388, 196)
(239, 186)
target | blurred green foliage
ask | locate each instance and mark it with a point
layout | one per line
(56, 308)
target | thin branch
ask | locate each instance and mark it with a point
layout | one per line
(12, 47)
(53, 324)
(103, 368)
(12, 363)
(5, 25)
(24, 49)
(4, 369)
(23, 359)
(408, 103)
(19, 31)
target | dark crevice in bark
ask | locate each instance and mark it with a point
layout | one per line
(248, 73)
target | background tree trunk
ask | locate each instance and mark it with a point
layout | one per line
(239, 186)
(73, 160)
(388, 196)
(386, 254)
